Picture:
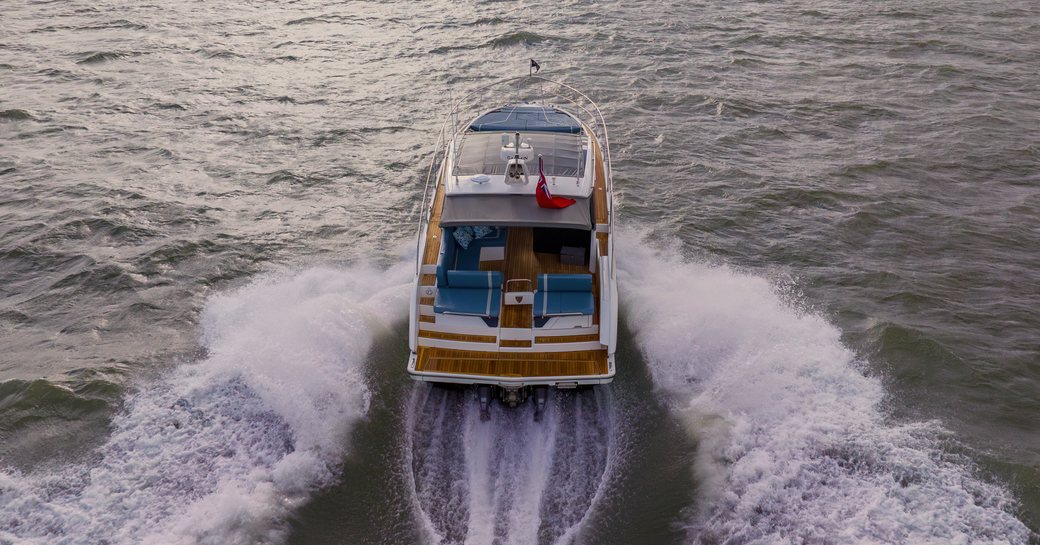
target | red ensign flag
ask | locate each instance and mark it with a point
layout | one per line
(545, 199)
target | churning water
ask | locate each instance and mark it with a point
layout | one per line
(830, 223)
(792, 444)
(220, 450)
(511, 481)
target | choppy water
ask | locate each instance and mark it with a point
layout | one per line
(831, 219)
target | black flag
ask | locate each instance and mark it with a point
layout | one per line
(535, 66)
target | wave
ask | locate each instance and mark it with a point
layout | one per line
(328, 19)
(792, 443)
(520, 37)
(102, 56)
(14, 115)
(222, 449)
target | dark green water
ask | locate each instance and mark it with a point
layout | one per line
(829, 250)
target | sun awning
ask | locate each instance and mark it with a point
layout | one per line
(514, 210)
(526, 117)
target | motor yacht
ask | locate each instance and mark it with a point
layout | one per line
(515, 289)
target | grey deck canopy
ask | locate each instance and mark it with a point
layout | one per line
(515, 210)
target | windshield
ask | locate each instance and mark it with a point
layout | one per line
(480, 153)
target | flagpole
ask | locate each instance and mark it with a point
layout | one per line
(531, 69)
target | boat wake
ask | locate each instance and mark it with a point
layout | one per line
(508, 480)
(220, 450)
(793, 445)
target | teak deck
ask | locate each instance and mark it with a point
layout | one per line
(599, 193)
(512, 364)
(599, 201)
(433, 237)
(522, 268)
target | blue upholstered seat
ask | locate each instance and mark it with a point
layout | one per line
(468, 259)
(447, 261)
(564, 295)
(465, 259)
(564, 303)
(565, 282)
(475, 279)
(471, 302)
(473, 293)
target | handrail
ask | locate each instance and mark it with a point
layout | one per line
(423, 216)
(528, 280)
(454, 123)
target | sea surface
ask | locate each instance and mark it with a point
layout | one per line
(828, 243)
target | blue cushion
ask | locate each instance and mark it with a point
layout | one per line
(463, 235)
(468, 301)
(496, 238)
(475, 279)
(565, 282)
(469, 259)
(564, 294)
(563, 303)
(450, 248)
(447, 262)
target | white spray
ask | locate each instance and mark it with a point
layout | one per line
(221, 450)
(793, 447)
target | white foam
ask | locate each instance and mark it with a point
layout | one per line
(509, 480)
(793, 447)
(220, 451)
